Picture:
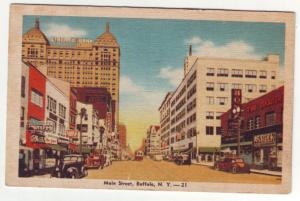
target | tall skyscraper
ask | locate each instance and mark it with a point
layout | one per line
(81, 62)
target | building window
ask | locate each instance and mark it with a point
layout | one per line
(209, 130)
(236, 73)
(222, 72)
(218, 115)
(51, 104)
(257, 122)
(237, 86)
(62, 111)
(263, 74)
(250, 73)
(23, 86)
(210, 100)
(209, 115)
(36, 98)
(222, 100)
(210, 86)
(273, 75)
(210, 72)
(250, 124)
(262, 88)
(250, 88)
(22, 119)
(222, 86)
(219, 130)
(270, 118)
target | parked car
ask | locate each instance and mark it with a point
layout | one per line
(95, 160)
(234, 165)
(71, 166)
(139, 155)
(182, 158)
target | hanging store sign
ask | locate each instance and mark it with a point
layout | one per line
(37, 139)
(62, 141)
(41, 126)
(50, 139)
(73, 134)
(268, 139)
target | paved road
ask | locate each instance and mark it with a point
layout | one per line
(169, 171)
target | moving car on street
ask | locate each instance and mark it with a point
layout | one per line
(182, 159)
(234, 165)
(71, 166)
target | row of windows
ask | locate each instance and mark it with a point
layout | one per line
(210, 115)
(210, 130)
(210, 86)
(219, 100)
(224, 72)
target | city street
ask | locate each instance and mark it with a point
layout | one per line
(169, 171)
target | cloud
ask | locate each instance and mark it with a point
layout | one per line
(235, 49)
(171, 74)
(63, 30)
(141, 96)
(128, 86)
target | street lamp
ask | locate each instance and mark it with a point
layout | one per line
(82, 115)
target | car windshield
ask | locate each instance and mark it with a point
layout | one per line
(72, 158)
(239, 160)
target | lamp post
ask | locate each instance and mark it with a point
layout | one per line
(82, 115)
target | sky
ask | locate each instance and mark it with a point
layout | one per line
(153, 52)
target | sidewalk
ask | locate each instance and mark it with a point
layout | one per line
(256, 171)
(211, 164)
(267, 172)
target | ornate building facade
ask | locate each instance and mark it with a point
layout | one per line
(81, 62)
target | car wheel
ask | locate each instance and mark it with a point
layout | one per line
(234, 170)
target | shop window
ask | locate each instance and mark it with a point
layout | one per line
(209, 130)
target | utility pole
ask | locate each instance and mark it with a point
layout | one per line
(82, 115)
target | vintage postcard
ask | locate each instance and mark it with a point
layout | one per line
(152, 99)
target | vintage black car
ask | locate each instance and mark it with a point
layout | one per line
(182, 158)
(71, 166)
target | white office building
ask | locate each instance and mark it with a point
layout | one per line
(205, 93)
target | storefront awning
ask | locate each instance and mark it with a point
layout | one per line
(209, 149)
(57, 147)
(183, 150)
(235, 144)
(85, 150)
